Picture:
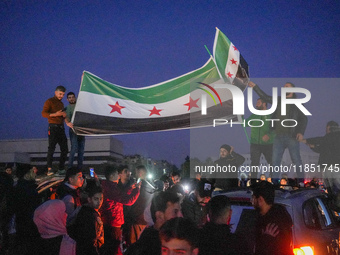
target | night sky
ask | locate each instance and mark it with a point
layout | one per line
(140, 43)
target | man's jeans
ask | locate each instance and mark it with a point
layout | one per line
(77, 145)
(56, 135)
(281, 142)
(257, 149)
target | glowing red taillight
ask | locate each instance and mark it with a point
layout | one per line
(304, 250)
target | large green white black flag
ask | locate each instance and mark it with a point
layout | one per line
(106, 108)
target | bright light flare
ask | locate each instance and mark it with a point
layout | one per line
(305, 250)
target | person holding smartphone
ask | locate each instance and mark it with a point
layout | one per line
(53, 110)
(134, 215)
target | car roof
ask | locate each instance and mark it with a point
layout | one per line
(281, 196)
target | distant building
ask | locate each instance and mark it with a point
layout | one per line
(98, 151)
(155, 167)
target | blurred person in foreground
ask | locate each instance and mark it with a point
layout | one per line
(216, 237)
(165, 205)
(179, 236)
(274, 226)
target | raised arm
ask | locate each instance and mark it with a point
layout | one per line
(260, 92)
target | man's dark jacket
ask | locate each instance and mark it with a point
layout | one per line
(280, 244)
(294, 113)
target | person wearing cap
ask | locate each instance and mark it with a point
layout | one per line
(194, 205)
(53, 110)
(69, 190)
(231, 160)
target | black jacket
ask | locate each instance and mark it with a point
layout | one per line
(282, 243)
(134, 214)
(294, 113)
(64, 190)
(329, 148)
(147, 244)
(192, 210)
(88, 231)
(217, 239)
(229, 179)
(25, 200)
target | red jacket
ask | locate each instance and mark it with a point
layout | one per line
(114, 199)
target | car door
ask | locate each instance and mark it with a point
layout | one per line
(315, 225)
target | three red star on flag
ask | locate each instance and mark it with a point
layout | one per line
(192, 103)
(230, 75)
(116, 108)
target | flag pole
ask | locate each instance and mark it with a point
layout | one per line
(214, 62)
(245, 131)
(207, 50)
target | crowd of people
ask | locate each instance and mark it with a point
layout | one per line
(126, 214)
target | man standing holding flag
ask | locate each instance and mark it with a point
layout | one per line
(286, 137)
(77, 141)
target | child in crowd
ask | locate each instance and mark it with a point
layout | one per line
(87, 228)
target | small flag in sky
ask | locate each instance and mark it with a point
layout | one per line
(106, 108)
